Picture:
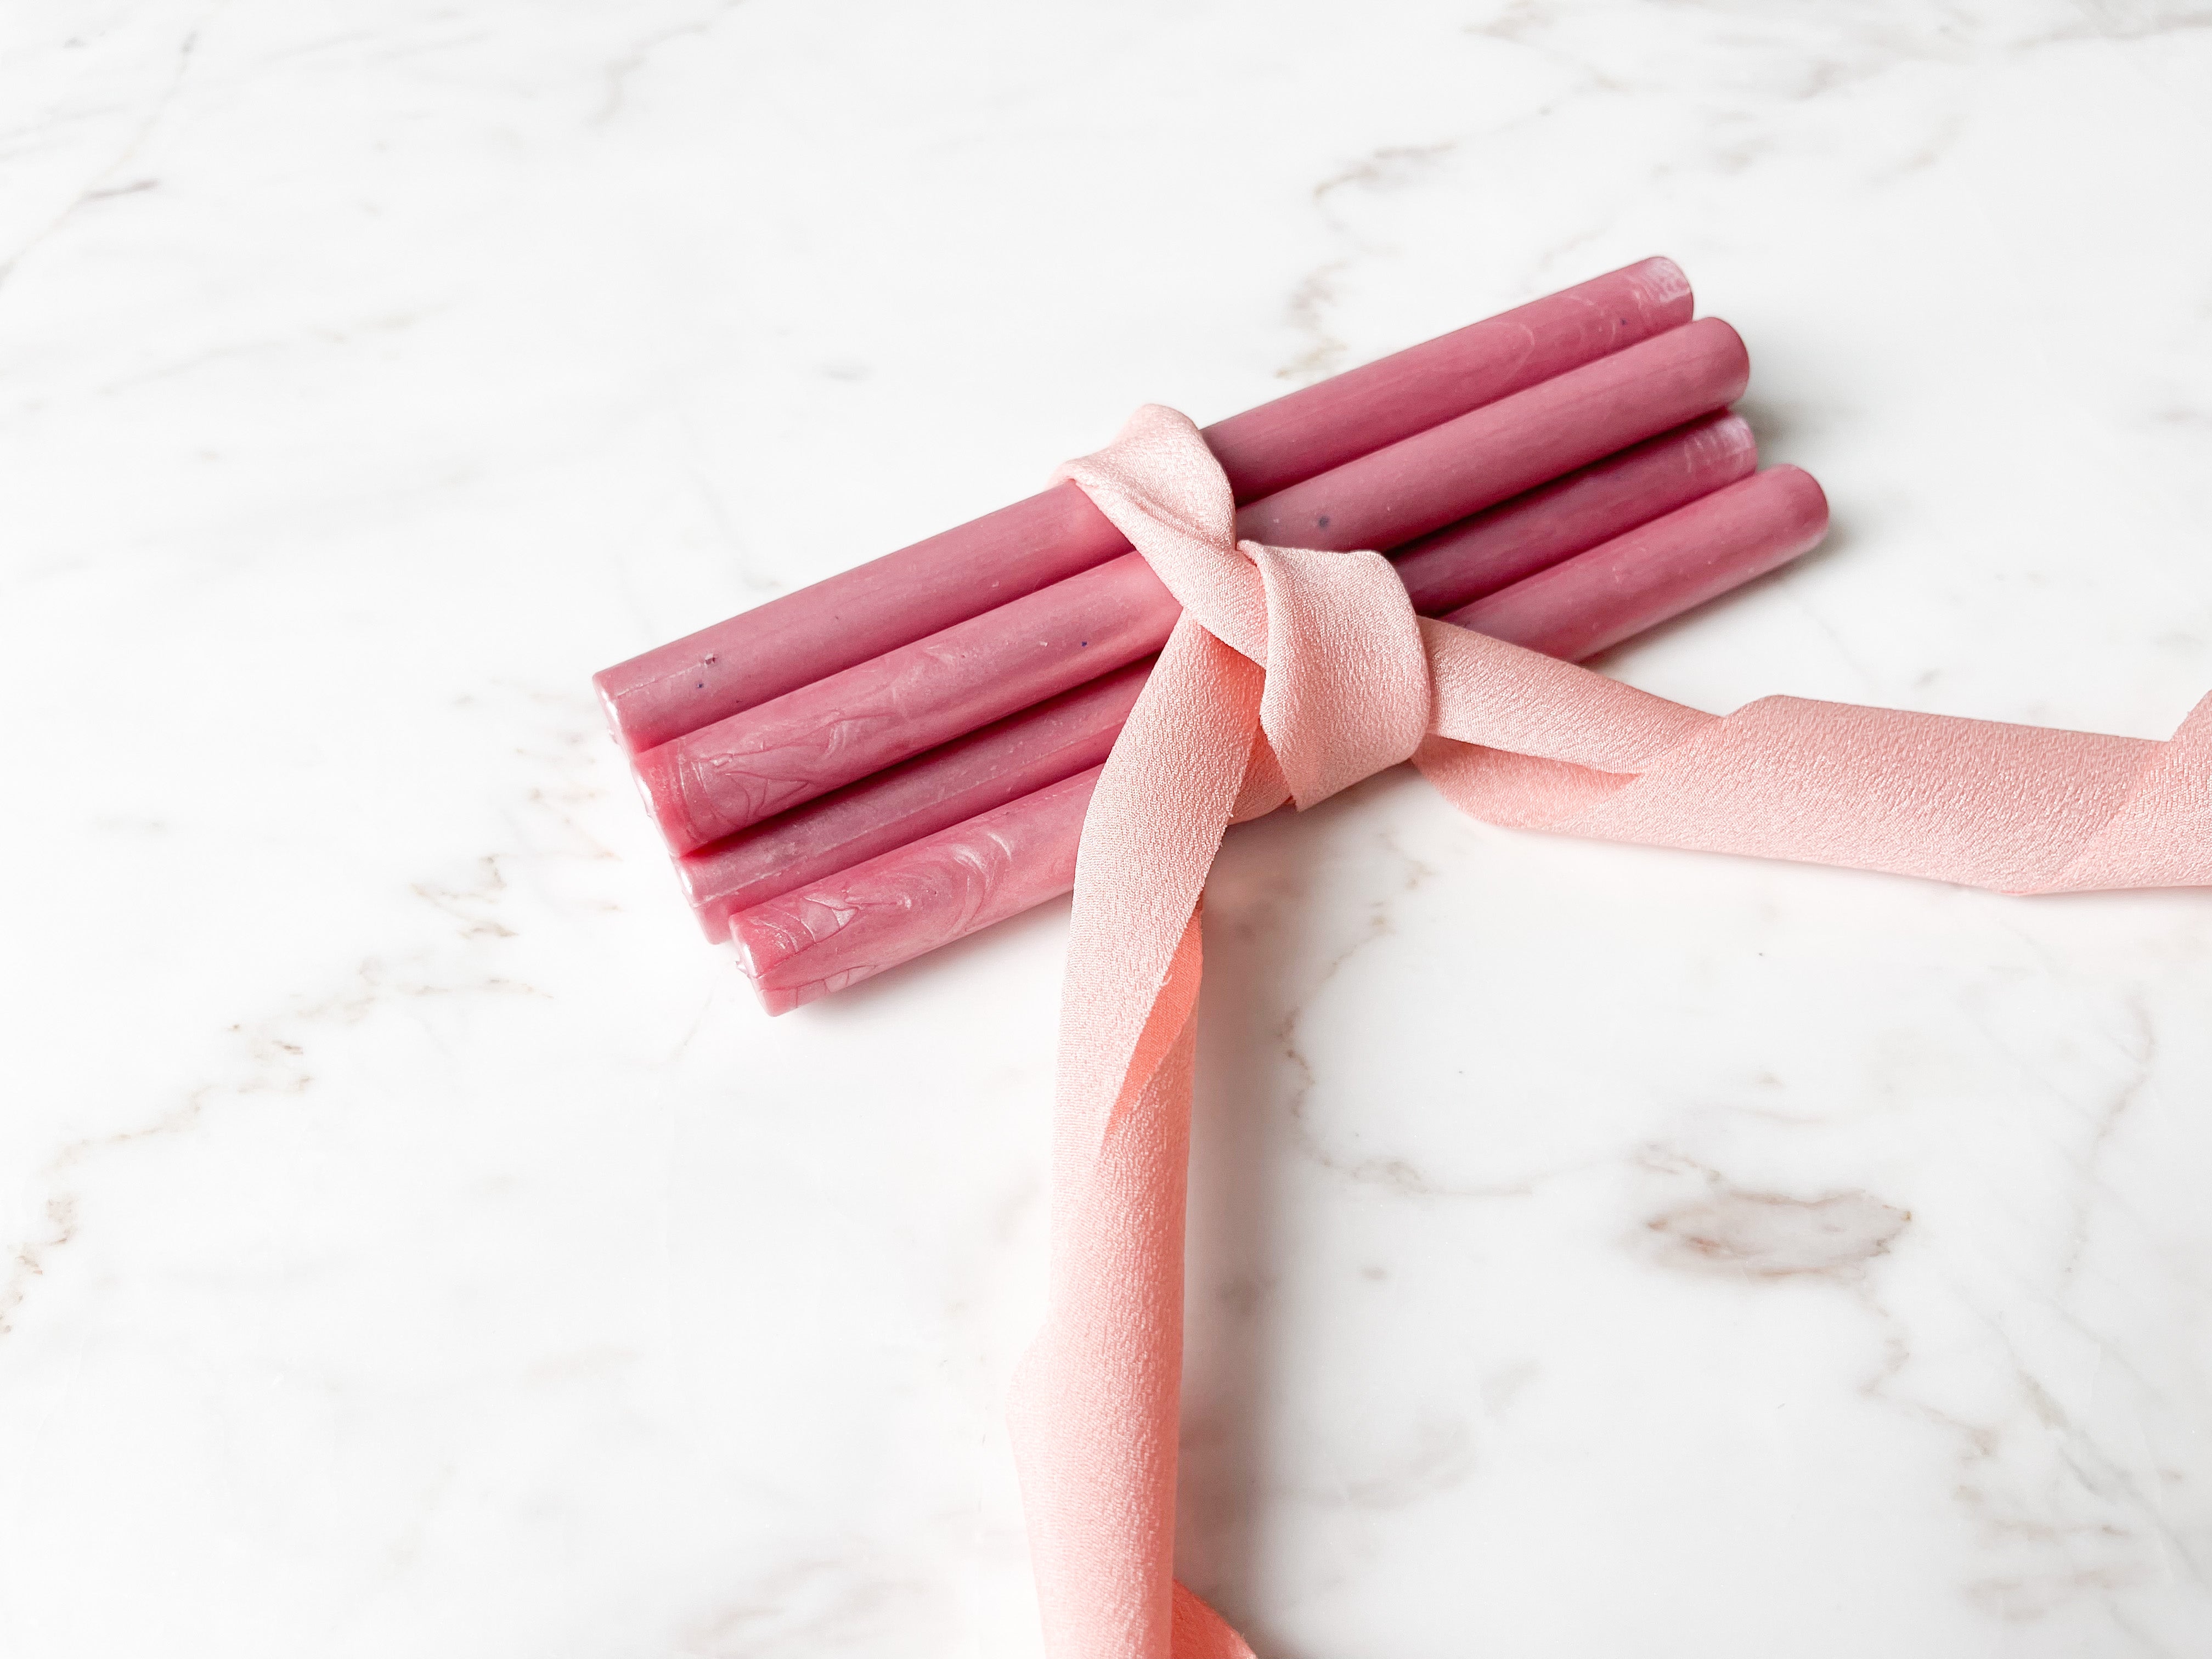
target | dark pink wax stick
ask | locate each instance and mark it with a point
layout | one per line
(724, 777)
(876, 607)
(1306, 433)
(1517, 538)
(1025, 752)
(1596, 599)
(905, 903)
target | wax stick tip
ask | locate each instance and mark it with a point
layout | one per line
(610, 706)
(1667, 281)
(1727, 344)
(660, 779)
(749, 958)
(1806, 494)
(774, 998)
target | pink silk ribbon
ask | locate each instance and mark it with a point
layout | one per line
(1294, 673)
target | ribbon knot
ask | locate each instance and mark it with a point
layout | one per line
(1293, 674)
(1347, 687)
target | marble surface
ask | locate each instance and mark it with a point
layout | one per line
(417, 1243)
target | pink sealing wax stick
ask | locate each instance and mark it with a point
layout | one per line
(1069, 733)
(1595, 600)
(891, 601)
(1002, 762)
(1496, 548)
(904, 904)
(733, 773)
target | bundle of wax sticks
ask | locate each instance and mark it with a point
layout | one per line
(858, 771)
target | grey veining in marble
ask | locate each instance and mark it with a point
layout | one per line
(414, 1241)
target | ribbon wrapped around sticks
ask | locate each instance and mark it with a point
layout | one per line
(1295, 673)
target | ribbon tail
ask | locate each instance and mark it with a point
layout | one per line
(1525, 741)
(1095, 1401)
(2162, 836)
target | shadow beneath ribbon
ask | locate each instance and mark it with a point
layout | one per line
(1258, 964)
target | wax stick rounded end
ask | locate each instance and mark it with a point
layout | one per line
(1728, 439)
(611, 705)
(691, 876)
(1665, 282)
(659, 780)
(1727, 346)
(755, 947)
(762, 943)
(1806, 495)
(1798, 510)
(708, 891)
(712, 913)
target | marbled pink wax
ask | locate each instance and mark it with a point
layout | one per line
(733, 773)
(891, 909)
(1067, 735)
(804, 636)
(985, 770)
(768, 760)
(906, 903)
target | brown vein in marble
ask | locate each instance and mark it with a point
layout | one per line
(1759, 1235)
(623, 69)
(277, 1049)
(103, 185)
(1398, 1177)
(2142, 1056)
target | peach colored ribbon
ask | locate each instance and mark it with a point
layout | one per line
(1294, 673)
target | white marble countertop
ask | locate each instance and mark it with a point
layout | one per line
(415, 1243)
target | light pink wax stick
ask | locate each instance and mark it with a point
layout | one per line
(714, 782)
(906, 903)
(1596, 599)
(1025, 752)
(876, 607)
